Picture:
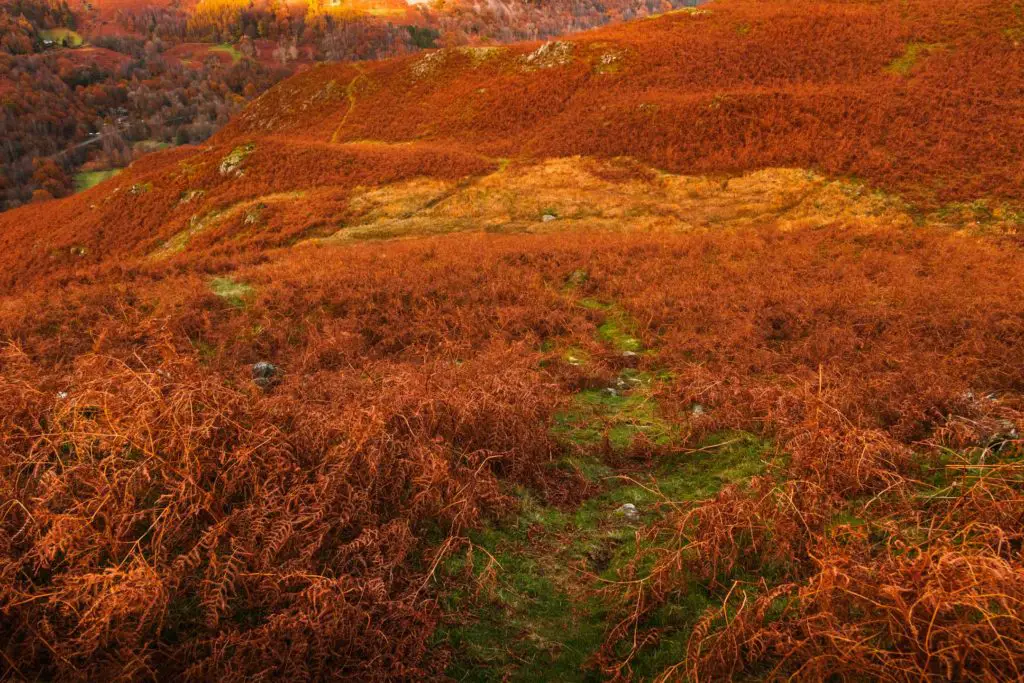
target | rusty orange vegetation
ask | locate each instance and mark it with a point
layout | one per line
(161, 516)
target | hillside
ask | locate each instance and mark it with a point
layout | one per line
(684, 349)
(88, 87)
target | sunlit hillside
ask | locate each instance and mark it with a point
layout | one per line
(684, 349)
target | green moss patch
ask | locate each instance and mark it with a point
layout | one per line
(914, 53)
(617, 329)
(620, 417)
(524, 600)
(234, 293)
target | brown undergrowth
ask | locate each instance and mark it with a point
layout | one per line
(163, 515)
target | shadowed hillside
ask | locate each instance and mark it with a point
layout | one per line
(688, 349)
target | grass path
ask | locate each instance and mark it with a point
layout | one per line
(350, 93)
(532, 607)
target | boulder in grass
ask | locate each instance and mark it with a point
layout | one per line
(265, 375)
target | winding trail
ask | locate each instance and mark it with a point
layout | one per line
(350, 92)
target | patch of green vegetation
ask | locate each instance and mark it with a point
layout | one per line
(207, 351)
(914, 52)
(88, 179)
(981, 211)
(524, 600)
(178, 242)
(725, 458)
(234, 293)
(614, 332)
(228, 49)
(232, 163)
(64, 37)
(575, 355)
(594, 305)
(846, 518)
(621, 417)
(616, 328)
(948, 472)
(527, 629)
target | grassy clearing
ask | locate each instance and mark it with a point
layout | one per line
(88, 179)
(227, 49)
(147, 146)
(62, 36)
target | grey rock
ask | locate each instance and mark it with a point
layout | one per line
(697, 409)
(265, 375)
(1007, 433)
(547, 218)
(629, 511)
(264, 370)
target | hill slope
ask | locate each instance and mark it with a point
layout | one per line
(752, 269)
(922, 99)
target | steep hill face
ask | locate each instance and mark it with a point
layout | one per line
(684, 349)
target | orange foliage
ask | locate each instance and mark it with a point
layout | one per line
(165, 515)
(161, 515)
